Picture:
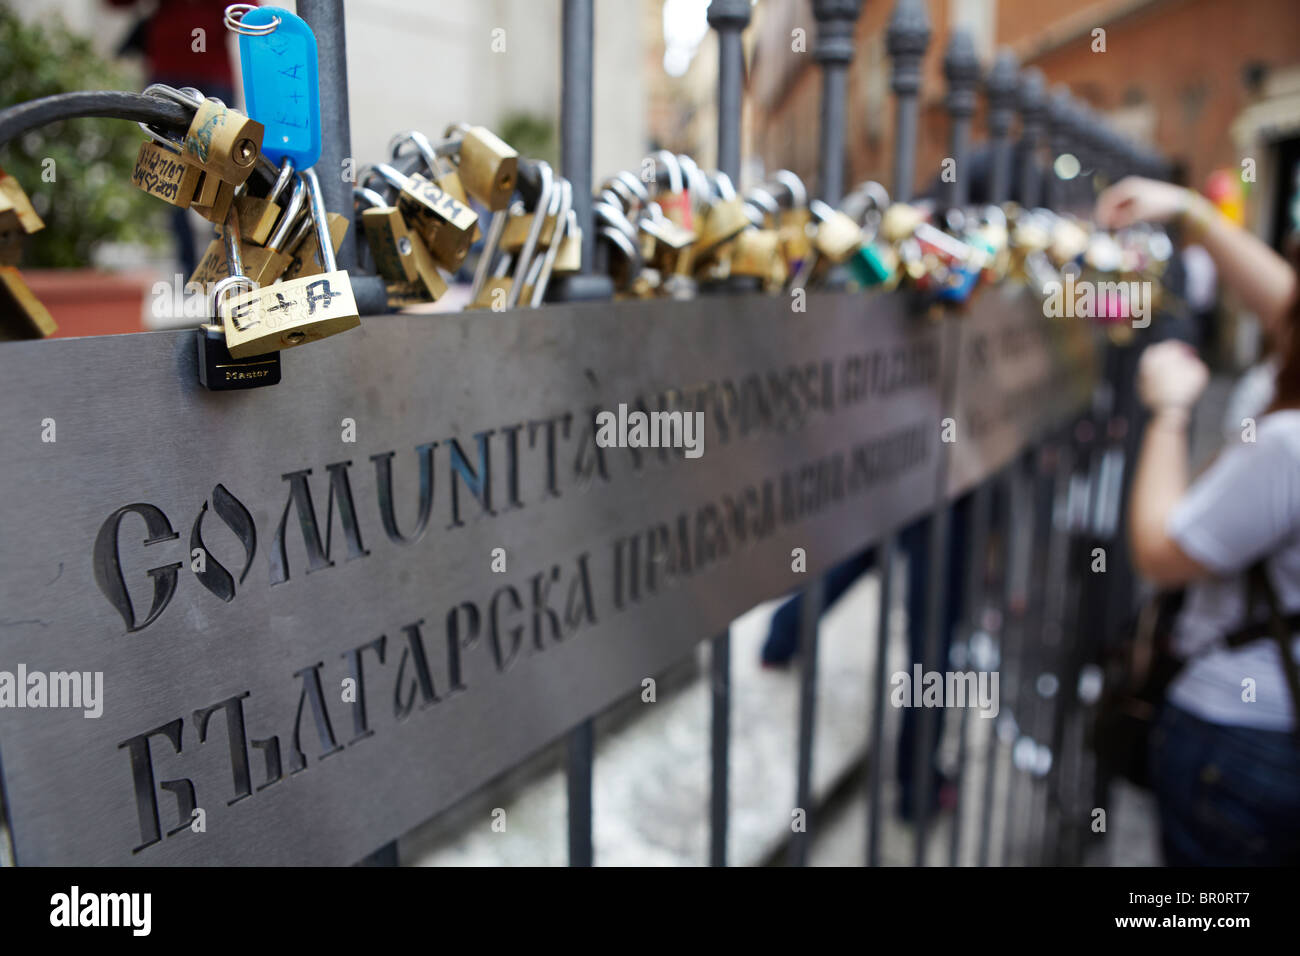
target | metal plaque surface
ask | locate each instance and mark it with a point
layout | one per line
(1018, 373)
(320, 612)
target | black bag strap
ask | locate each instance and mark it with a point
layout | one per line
(1280, 628)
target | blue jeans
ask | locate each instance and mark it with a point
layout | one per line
(1228, 796)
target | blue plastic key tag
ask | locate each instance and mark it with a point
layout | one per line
(282, 85)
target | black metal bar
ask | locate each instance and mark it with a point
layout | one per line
(580, 746)
(906, 40)
(1019, 568)
(936, 605)
(1031, 98)
(1059, 135)
(576, 68)
(972, 614)
(1000, 91)
(961, 68)
(886, 555)
(834, 51)
(325, 17)
(729, 18)
(576, 65)
(720, 730)
(1005, 500)
(811, 612)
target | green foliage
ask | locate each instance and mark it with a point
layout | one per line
(85, 195)
(531, 136)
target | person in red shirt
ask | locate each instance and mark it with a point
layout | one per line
(184, 43)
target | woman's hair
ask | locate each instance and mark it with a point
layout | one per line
(1286, 393)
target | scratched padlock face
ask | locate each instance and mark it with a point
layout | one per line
(286, 314)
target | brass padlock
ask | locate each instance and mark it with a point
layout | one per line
(755, 252)
(724, 219)
(161, 172)
(568, 258)
(303, 249)
(793, 222)
(22, 316)
(259, 214)
(675, 201)
(14, 200)
(223, 141)
(667, 241)
(400, 257)
(262, 264)
(488, 167)
(214, 198)
(518, 227)
(446, 225)
(837, 236)
(298, 311)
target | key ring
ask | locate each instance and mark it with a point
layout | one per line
(234, 20)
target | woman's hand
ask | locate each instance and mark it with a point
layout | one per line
(1134, 199)
(1171, 377)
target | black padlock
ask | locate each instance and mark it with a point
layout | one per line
(221, 372)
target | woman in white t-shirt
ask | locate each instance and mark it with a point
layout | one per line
(1225, 754)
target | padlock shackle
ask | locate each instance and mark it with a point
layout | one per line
(276, 242)
(316, 208)
(424, 146)
(529, 181)
(544, 198)
(563, 207)
(673, 167)
(625, 246)
(387, 173)
(794, 186)
(491, 242)
(764, 200)
(283, 177)
(230, 236)
(367, 195)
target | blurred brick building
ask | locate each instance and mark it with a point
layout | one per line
(1207, 82)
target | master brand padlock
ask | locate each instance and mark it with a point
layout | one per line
(296, 312)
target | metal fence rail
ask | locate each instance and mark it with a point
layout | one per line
(1031, 502)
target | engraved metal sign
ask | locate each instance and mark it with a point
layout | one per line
(1017, 374)
(322, 612)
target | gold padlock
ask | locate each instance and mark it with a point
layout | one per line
(400, 257)
(259, 214)
(22, 316)
(837, 236)
(14, 200)
(214, 198)
(161, 172)
(303, 258)
(568, 258)
(262, 264)
(723, 221)
(389, 241)
(446, 225)
(754, 253)
(488, 167)
(223, 141)
(675, 200)
(494, 294)
(666, 240)
(900, 221)
(301, 310)
(518, 227)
